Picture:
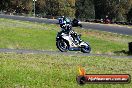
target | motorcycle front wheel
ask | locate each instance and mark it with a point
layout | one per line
(62, 45)
(86, 49)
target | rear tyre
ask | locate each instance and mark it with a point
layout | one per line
(62, 45)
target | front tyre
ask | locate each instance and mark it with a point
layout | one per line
(62, 45)
(86, 49)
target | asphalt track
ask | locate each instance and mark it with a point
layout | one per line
(102, 27)
(70, 53)
(109, 28)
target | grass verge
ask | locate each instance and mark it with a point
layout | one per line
(25, 35)
(57, 71)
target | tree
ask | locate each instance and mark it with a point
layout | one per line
(115, 9)
(4, 4)
(85, 9)
(20, 6)
(41, 7)
(60, 7)
(67, 8)
(129, 16)
(118, 10)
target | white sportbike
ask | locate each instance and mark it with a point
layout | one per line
(65, 42)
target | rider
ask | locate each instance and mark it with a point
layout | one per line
(66, 28)
(63, 21)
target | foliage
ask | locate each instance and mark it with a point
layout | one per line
(60, 7)
(85, 9)
(129, 16)
(4, 4)
(117, 10)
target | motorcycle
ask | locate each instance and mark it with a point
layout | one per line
(65, 42)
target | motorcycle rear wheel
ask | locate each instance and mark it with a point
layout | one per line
(62, 45)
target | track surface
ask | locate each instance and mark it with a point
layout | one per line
(103, 27)
(22, 51)
(109, 28)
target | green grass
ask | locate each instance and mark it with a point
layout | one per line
(106, 43)
(27, 35)
(57, 71)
